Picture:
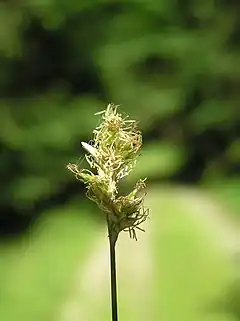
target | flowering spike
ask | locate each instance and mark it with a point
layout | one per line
(113, 153)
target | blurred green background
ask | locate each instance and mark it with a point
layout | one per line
(172, 65)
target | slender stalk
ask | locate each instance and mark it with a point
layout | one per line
(112, 243)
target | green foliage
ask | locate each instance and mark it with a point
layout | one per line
(162, 158)
(172, 65)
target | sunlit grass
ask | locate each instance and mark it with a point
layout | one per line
(190, 272)
(226, 193)
(37, 271)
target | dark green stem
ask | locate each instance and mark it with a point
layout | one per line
(112, 242)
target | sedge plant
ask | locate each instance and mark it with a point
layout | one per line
(112, 154)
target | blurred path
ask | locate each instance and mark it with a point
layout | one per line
(91, 287)
(214, 218)
(88, 284)
(91, 283)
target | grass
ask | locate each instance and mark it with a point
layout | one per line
(35, 272)
(226, 193)
(190, 273)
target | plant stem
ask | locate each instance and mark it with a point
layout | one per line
(112, 243)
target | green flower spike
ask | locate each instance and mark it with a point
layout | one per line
(112, 154)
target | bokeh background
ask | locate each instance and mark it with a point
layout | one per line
(172, 65)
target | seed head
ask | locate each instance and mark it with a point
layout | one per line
(111, 155)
